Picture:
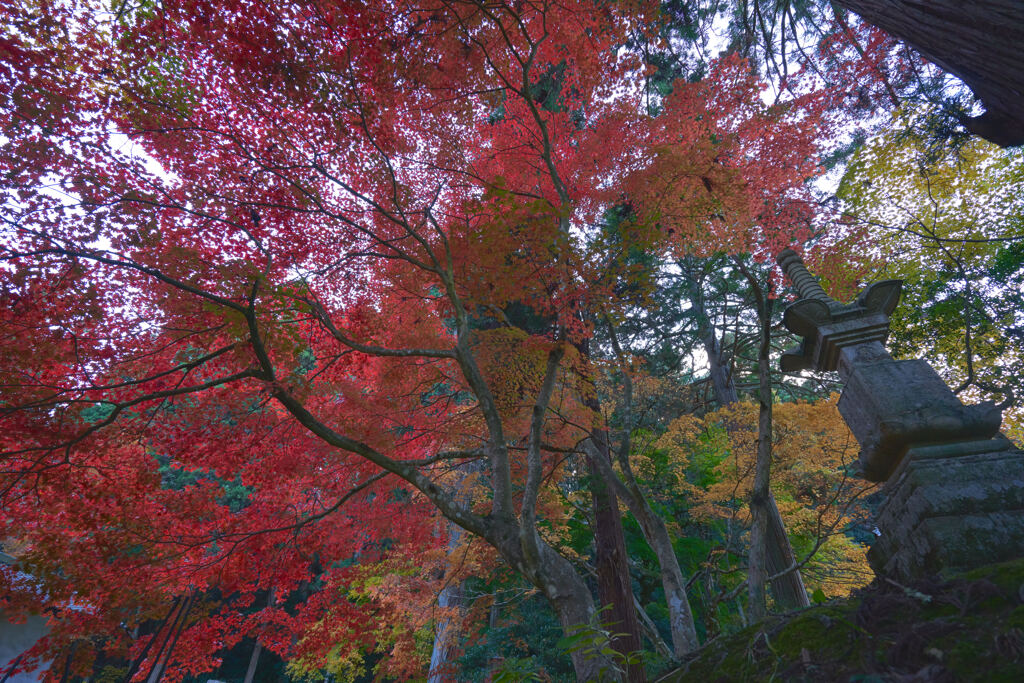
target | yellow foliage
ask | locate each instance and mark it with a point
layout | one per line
(513, 363)
(812, 480)
(345, 664)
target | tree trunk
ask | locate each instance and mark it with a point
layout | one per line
(613, 583)
(179, 625)
(760, 493)
(453, 595)
(788, 589)
(571, 600)
(650, 630)
(558, 580)
(496, 660)
(721, 379)
(614, 588)
(445, 640)
(254, 660)
(684, 632)
(980, 42)
(257, 649)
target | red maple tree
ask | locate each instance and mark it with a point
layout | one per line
(248, 254)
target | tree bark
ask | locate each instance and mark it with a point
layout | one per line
(613, 583)
(760, 493)
(451, 597)
(788, 590)
(257, 648)
(495, 661)
(557, 579)
(614, 588)
(179, 625)
(254, 660)
(979, 42)
(681, 624)
(721, 379)
(718, 365)
(649, 629)
(573, 604)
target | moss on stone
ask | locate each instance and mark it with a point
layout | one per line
(825, 631)
(968, 627)
(1016, 618)
(1007, 575)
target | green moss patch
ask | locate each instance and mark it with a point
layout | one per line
(968, 627)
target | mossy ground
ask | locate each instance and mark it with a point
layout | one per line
(968, 627)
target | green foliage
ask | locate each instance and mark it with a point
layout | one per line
(950, 224)
(516, 670)
(175, 478)
(524, 638)
(111, 674)
(594, 642)
(97, 412)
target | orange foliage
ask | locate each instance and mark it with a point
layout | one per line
(813, 482)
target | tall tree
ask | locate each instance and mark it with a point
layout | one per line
(244, 250)
(779, 562)
(978, 42)
(761, 501)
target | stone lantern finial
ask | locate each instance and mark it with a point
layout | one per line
(835, 336)
(806, 284)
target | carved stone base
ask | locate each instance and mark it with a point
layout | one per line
(951, 508)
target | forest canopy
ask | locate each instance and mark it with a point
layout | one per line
(404, 339)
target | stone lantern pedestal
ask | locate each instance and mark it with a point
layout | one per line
(951, 507)
(893, 405)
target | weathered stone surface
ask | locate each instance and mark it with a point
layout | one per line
(827, 326)
(828, 330)
(893, 405)
(948, 511)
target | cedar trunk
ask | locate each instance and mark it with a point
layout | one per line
(760, 494)
(980, 42)
(614, 588)
(788, 590)
(684, 633)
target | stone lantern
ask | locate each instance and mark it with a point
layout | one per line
(954, 486)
